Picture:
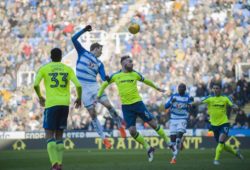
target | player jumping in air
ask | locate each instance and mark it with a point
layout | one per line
(132, 105)
(56, 77)
(87, 67)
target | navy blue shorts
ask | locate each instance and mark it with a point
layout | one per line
(132, 111)
(55, 118)
(224, 128)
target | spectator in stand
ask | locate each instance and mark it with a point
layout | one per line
(201, 90)
(242, 86)
(240, 120)
(191, 122)
(201, 122)
(248, 120)
(109, 124)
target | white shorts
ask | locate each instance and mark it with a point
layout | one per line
(177, 125)
(89, 94)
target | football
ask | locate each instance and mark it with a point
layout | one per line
(134, 28)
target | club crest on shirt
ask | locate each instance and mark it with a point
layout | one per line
(179, 105)
(91, 65)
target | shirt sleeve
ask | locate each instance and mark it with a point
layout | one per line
(206, 100)
(145, 81)
(229, 101)
(79, 48)
(102, 72)
(39, 77)
(104, 85)
(139, 76)
(102, 88)
(149, 83)
(111, 79)
(169, 102)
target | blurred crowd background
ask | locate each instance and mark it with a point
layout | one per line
(195, 42)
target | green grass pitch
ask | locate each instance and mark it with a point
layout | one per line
(86, 159)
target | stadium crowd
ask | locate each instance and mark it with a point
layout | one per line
(181, 41)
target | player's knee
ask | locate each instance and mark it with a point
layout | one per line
(49, 134)
(222, 137)
(153, 124)
(104, 100)
(92, 113)
(221, 142)
(180, 134)
(93, 116)
(132, 131)
(155, 127)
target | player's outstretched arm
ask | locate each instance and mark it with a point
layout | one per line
(76, 43)
(151, 84)
(102, 88)
(169, 102)
(235, 107)
(78, 86)
(197, 101)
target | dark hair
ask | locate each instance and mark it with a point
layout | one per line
(124, 58)
(56, 54)
(217, 84)
(94, 46)
(182, 86)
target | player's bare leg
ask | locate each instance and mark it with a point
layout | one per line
(104, 101)
(98, 128)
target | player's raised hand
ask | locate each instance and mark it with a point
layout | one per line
(42, 101)
(88, 28)
(107, 78)
(78, 103)
(161, 90)
(235, 107)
